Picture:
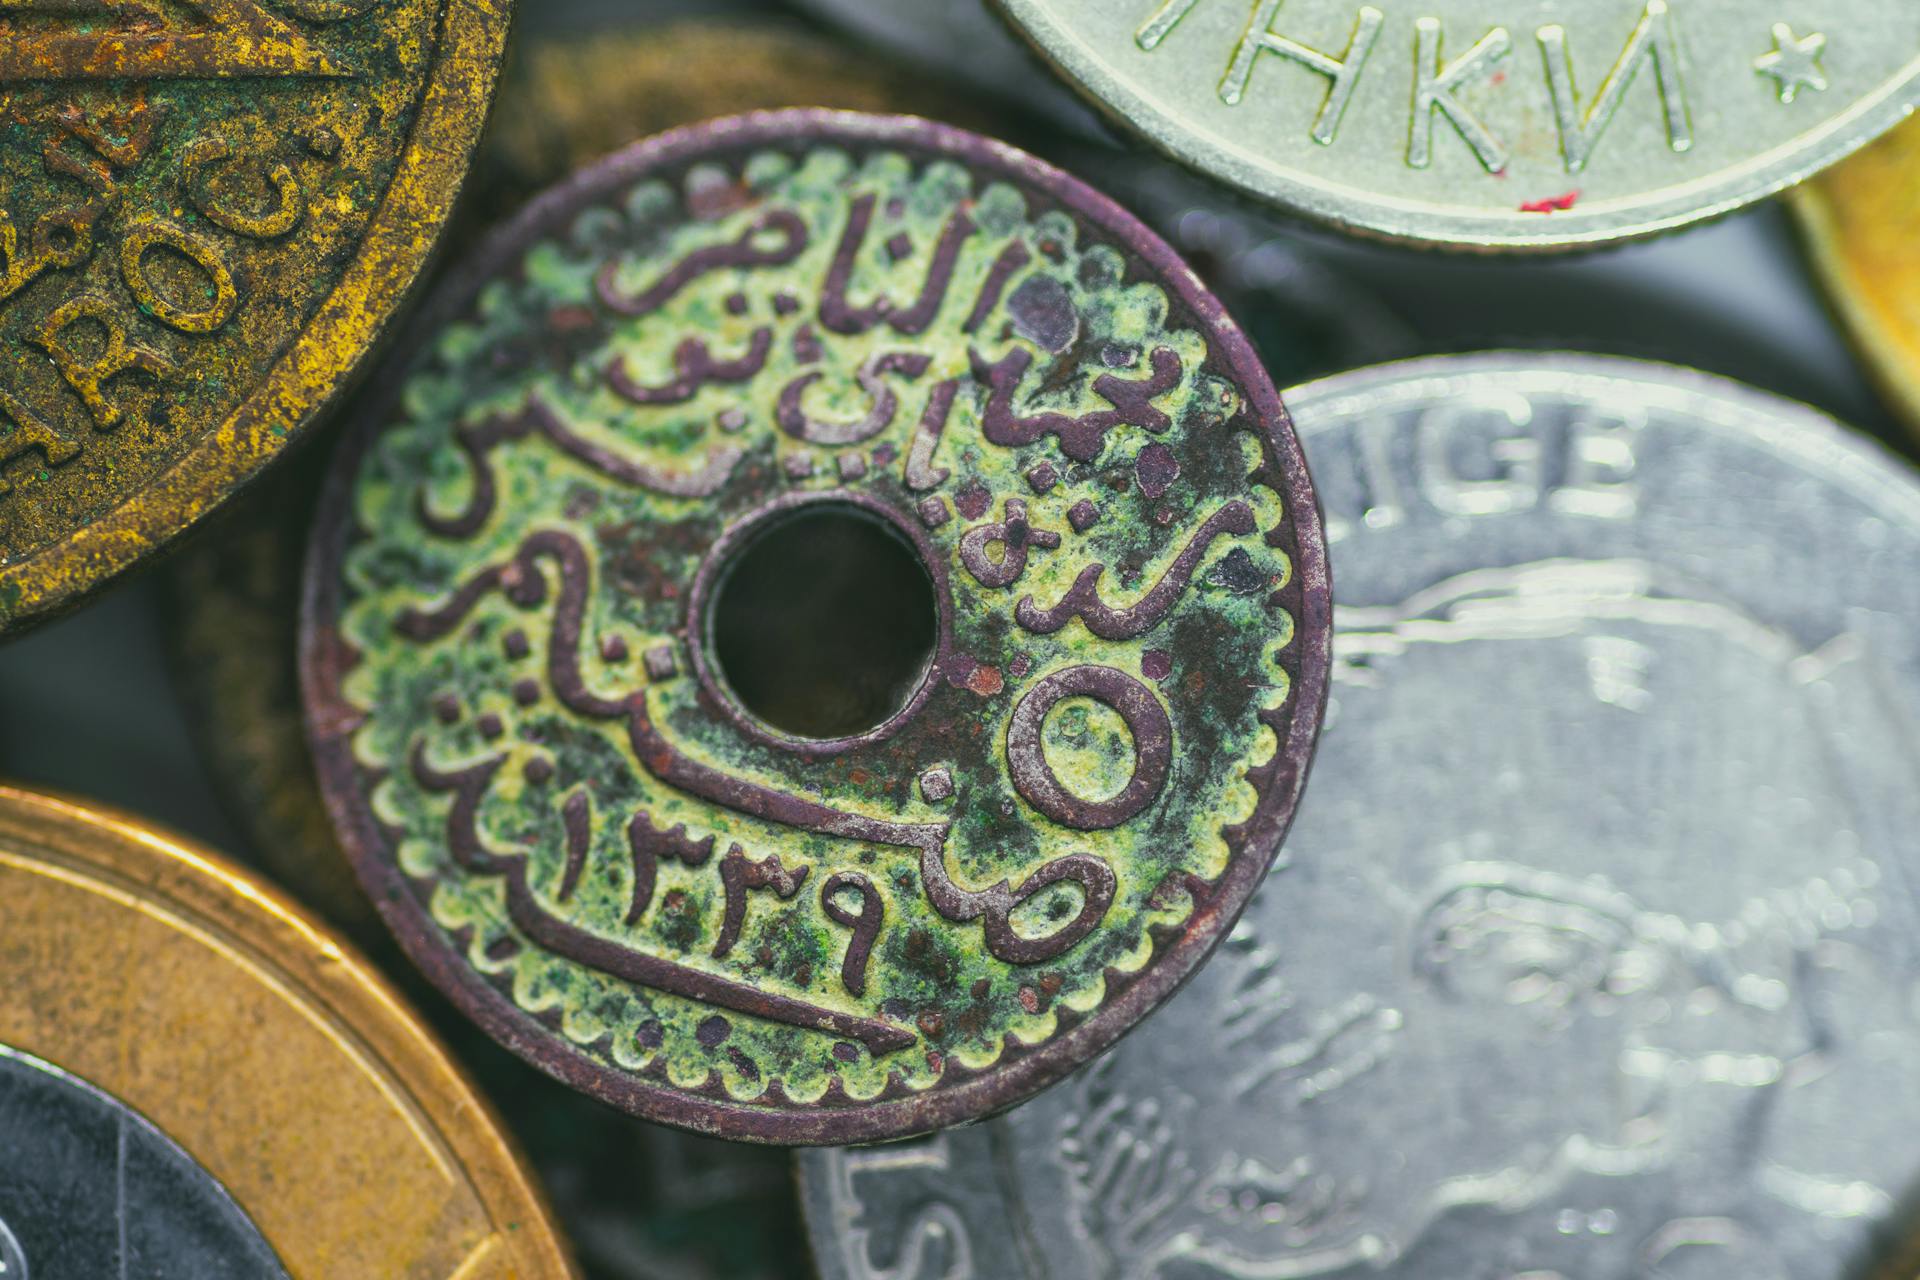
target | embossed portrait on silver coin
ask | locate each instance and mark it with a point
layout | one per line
(1593, 954)
(1619, 943)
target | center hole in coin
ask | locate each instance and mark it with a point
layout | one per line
(825, 622)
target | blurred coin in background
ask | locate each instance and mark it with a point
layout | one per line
(197, 1078)
(1861, 220)
(1468, 124)
(1593, 951)
(233, 608)
(209, 219)
(968, 47)
(571, 97)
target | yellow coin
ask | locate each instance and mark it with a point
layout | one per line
(150, 980)
(1862, 220)
(209, 211)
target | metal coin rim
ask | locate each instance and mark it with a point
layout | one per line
(1404, 221)
(1881, 344)
(316, 973)
(326, 658)
(322, 362)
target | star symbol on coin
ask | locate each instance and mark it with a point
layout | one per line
(1794, 62)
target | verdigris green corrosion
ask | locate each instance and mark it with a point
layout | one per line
(565, 805)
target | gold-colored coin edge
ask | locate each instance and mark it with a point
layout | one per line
(192, 889)
(1890, 349)
(322, 362)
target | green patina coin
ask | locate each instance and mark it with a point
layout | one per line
(823, 631)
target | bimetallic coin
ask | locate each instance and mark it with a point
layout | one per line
(260, 1094)
(207, 213)
(1493, 124)
(89, 1188)
(824, 633)
(1860, 220)
(1593, 954)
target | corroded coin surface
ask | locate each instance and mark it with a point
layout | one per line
(1860, 220)
(234, 597)
(1592, 954)
(1497, 124)
(207, 212)
(263, 1094)
(826, 630)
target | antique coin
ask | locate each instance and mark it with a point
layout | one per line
(563, 101)
(638, 1202)
(1860, 220)
(147, 979)
(1493, 124)
(823, 633)
(89, 1188)
(208, 210)
(1593, 953)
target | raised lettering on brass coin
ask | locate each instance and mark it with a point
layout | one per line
(823, 633)
(207, 211)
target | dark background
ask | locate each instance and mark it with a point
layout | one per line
(88, 705)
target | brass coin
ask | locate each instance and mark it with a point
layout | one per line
(208, 213)
(208, 1005)
(1860, 220)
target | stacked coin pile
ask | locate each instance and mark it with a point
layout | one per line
(796, 558)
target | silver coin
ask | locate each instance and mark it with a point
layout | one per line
(1593, 954)
(1509, 124)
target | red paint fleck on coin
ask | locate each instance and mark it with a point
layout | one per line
(1552, 204)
